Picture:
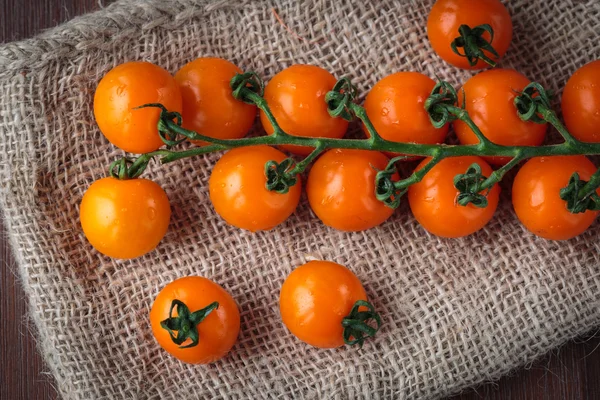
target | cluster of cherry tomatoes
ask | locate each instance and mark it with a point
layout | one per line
(341, 183)
(128, 218)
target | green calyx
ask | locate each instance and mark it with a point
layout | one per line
(470, 185)
(533, 103)
(581, 195)
(243, 84)
(340, 98)
(441, 104)
(280, 176)
(185, 325)
(474, 46)
(358, 324)
(127, 168)
(388, 190)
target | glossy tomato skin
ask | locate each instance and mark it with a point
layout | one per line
(433, 200)
(446, 16)
(581, 103)
(536, 196)
(124, 218)
(396, 108)
(296, 97)
(315, 298)
(341, 189)
(490, 99)
(209, 108)
(218, 332)
(125, 87)
(238, 192)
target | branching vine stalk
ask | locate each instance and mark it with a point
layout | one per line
(532, 104)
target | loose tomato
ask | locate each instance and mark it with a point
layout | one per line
(124, 218)
(433, 200)
(238, 190)
(186, 323)
(396, 107)
(536, 196)
(581, 103)
(296, 97)
(341, 189)
(209, 108)
(128, 86)
(314, 300)
(490, 99)
(447, 16)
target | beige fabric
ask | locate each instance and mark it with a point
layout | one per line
(456, 312)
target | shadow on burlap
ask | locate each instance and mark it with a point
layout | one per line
(456, 312)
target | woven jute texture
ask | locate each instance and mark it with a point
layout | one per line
(455, 312)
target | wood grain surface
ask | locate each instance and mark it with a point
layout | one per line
(572, 372)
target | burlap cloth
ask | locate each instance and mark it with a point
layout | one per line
(456, 312)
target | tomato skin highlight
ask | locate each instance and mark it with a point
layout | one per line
(209, 107)
(446, 16)
(218, 332)
(238, 193)
(296, 97)
(124, 218)
(536, 196)
(581, 103)
(433, 200)
(125, 87)
(396, 108)
(490, 99)
(341, 189)
(315, 298)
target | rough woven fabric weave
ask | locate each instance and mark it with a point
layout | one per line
(456, 312)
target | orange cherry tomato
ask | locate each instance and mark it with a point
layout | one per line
(124, 218)
(216, 329)
(209, 108)
(296, 97)
(490, 103)
(447, 16)
(433, 200)
(581, 103)
(396, 108)
(536, 196)
(314, 300)
(238, 190)
(341, 189)
(128, 86)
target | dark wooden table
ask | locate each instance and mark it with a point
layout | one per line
(572, 372)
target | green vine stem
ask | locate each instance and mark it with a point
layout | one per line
(357, 324)
(186, 323)
(442, 105)
(474, 45)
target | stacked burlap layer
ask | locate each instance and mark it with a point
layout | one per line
(455, 312)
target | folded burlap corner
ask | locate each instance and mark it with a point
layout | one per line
(456, 312)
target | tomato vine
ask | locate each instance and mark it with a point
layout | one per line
(532, 104)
